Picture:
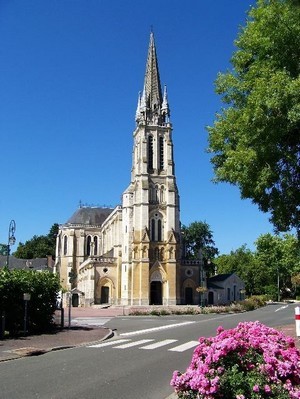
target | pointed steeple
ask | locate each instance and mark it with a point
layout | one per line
(152, 107)
(152, 80)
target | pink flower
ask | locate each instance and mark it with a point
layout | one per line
(267, 389)
(256, 388)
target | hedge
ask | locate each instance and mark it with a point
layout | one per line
(43, 288)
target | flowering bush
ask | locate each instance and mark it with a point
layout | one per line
(251, 361)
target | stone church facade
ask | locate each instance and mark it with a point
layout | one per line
(132, 254)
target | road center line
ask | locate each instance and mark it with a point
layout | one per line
(128, 334)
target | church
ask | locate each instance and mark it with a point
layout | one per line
(133, 254)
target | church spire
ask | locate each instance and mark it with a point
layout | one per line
(153, 107)
(152, 80)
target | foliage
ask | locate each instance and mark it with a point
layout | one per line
(38, 246)
(256, 137)
(277, 257)
(251, 361)
(254, 302)
(274, 255)
(43, 288)
(198, 237)
(242, 262)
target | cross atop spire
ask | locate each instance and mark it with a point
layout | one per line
(151, 104)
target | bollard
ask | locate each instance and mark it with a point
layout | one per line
(297, 320)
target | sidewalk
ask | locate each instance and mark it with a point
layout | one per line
(34, 345)
(79, 335)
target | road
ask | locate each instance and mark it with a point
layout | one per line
(137, 363)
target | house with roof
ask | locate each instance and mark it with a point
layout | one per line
(223, 289)
(39, 264)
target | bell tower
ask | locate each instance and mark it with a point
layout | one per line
(150, 216)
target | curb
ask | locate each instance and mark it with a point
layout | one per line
(32, 351)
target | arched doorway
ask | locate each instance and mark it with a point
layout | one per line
(75, 300)
(104, 294)
(189, 300)
(105, 291)
(156, 293)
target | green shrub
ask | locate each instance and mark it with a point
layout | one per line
(42, 287)
(254, 302)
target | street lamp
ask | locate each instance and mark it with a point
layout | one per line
(11, 239)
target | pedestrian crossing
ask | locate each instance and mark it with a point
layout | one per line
(147, 344)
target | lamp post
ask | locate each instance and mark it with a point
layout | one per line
(200, 289)
(11, 239)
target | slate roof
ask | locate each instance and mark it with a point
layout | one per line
(220, 277)
(16, 263)
(90, 216)
(214, 286)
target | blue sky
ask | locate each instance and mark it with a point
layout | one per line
(70, 73)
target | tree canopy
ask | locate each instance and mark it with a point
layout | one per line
(38, 246)
(255, 139)
(197, 237)
(275, 258)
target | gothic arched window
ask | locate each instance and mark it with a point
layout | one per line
(159, 230)
(162, 194)
(161, 153)
(150, 153)
(95, 245)
(65, 245)
(88, 245)
(156, 228)
(153, 230)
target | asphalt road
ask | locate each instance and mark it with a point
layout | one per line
(137, 363)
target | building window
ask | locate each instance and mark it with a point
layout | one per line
(65, 245)
(156, 228)
(159, 230)
(95, 245)
(88, 245)
(152, 230)
(161, 153)
(150, 153)
(162, 194)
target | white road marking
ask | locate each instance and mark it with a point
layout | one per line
(90, 321)
(110, 343)
(159, 344)
(184, 347)
(281, 308)
(131, 344)
(128, 343)
(156, 329)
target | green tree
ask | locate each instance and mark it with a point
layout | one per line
(256, 136)
(279, 258)
(197, 237)
(38, 246)
(242, 262)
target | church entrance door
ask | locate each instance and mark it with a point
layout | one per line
(156, 293)
(189, 296)
(104, 294)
